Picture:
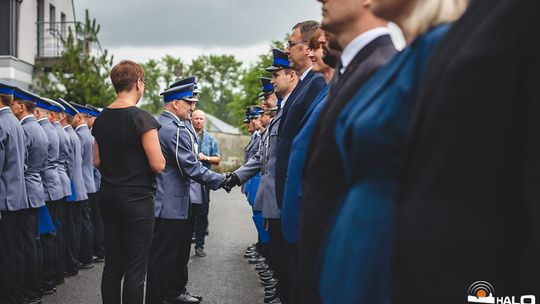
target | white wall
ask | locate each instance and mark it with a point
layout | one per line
(27, 31)
(28, 28)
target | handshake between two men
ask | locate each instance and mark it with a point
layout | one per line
(231, 180)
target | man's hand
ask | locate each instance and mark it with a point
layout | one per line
(231, 180)
(202, 157)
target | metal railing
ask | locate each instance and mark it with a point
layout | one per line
(49, 37)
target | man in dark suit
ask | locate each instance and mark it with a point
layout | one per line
(468, 203)
(366, 45)
(308, 87)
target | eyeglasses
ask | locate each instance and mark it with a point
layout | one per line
(142, 80)
(190, 101)
(290, 44)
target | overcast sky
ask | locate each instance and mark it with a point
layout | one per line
(141, 30)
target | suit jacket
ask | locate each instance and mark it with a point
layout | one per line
(51, 180)
(290, 210)
(177, 144)
(87, 144)
(323, 180)
(264, 162)
(12, 154)
(63, 158)
(294, 110)
(468, 201)
(78, 192)
(371, 133)
(36, 156)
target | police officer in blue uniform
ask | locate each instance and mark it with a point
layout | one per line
(171, 243)
(13, 199)
(285, 80)
(78, 195)
(54, 195)
(54, 116)
(97, 220)
(36, 154)
(87, 143)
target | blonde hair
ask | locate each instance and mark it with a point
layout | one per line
(430, 13)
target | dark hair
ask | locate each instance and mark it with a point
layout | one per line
(313, 42)
(307, 28)
(6, 99)
(30, 106)
(125, 74)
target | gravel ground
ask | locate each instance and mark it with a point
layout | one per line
(222, 277)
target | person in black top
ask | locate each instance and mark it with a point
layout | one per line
(128, 155)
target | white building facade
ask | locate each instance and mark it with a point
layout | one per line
(30, 33)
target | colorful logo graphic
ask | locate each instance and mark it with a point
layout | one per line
(481, 292)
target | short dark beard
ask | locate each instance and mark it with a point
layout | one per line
(331, 57)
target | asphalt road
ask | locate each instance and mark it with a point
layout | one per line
(222, 277)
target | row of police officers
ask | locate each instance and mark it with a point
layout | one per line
(50, 226)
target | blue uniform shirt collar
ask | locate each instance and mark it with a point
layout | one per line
(169, 114)
(81, 126)
(27, 117)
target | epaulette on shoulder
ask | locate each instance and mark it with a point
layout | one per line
(179, 124)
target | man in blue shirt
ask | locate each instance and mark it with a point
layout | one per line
(208, 155)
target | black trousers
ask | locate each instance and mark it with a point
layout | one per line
(128, 223)
(72, 236)
(167, 267)
(61, 239)
(11, 257)
(200, 216)
(285, 256)
(87, 233)
(49, 248)
(97, 222)
(31, 288)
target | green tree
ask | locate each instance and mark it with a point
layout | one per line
(251, 85)
(80, 74)
(158, 76)
(219, 80)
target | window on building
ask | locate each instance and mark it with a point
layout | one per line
(63, 28)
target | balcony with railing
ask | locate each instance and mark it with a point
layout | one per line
(50, 36)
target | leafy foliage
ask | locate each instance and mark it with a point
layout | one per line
(80, 75)
(158, 76)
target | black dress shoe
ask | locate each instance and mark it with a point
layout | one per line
(275, 301)
(271, 298)
(86, 266)
(270, 287)
(256, 260)
(266, 272)
(251, 254)
(98, 259)
(33, 301)
(266, 279)
(261, 266)
(270, 292)
(185, 298)
(49, 290)
(194, 295)
(269, 282)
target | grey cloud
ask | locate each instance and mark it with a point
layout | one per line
(203, 23)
